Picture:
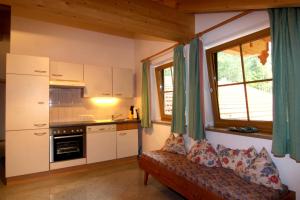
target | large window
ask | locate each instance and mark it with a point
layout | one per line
(164, 80)
(241, 81)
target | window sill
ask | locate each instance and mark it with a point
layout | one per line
(254, 135)
(166, 123)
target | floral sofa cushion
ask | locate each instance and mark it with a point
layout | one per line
(175, 145)
(220, 181)
(204, 153)
(263, 171)
(236, 159)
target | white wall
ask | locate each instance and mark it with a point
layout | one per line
(2, 111)
(289, 169)
(68, 44)
(152, 138)
(63, 43)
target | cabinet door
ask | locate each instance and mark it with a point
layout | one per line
(27, 152)
(122, 83)
(27, 102)
(66, 71)
(30, 65)
(101, 146)
(98, 81)
(127, 143)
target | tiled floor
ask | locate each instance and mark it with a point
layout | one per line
(120, 180)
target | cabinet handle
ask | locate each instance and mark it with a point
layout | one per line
(40, 71)
(40, 134)
(41, 102)
(106, 94)
(56, 74)
(39, 125)
(122, 134)
(101, 129)
(118, 94)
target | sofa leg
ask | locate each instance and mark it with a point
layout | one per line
(146, 175)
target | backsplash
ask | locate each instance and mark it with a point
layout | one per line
(68, 105)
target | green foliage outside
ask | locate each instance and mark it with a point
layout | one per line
(230, 70)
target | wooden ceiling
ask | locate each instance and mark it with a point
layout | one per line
(167, 19)
(205, 6)
(120, 17)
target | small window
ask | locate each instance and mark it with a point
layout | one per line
(241, 81)
(164, 80)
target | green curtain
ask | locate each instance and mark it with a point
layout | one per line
(285, 33)
(146, 119)
(195, 105)
(178, 107)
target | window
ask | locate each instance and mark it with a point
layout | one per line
(164, 80)
(240, 74)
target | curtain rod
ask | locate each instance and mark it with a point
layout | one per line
(202, 33)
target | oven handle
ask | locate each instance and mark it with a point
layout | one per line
(68, 136)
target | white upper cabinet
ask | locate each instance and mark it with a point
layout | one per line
(122, 82)
(27, 102)
(98, 81)
(66, 71)
(28, 65)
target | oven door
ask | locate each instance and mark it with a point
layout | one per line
(67, 147)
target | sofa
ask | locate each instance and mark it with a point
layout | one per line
(197, 182)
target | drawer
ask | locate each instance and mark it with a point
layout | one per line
(127, 126)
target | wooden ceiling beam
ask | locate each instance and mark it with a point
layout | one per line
(205, 6)
(119, 17)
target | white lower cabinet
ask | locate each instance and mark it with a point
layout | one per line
(27, 152)
(101, 143)
(127, 143)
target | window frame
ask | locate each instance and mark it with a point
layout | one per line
(263, 126)
(160, 91)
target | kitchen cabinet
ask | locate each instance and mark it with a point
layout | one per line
(101, 143)
(27, 152)
(27, 102)
(123, 83)
(127, 143)
(28, 65)
(63, 71)
(98, 81)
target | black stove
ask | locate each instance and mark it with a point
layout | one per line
(67, 143)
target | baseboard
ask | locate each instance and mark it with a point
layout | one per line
(67, 171)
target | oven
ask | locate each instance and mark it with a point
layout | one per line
(67, 143)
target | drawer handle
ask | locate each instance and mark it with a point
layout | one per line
(40, 71)
(122, 134)
(106, 94)
(41, 102)
(39, 125)
(101, 129)
(40, 134)
(57, 75)
(118, 94)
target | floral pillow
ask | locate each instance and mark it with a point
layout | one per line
(175, 145)
(236, 159)
(203, 153)
(263, 171)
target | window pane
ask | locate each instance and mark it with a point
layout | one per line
(229, 66)
(232, 102)
(168, 80)
(168, 100)
(260, 101)
(257, 59)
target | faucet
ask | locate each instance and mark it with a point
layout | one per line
(115, 116)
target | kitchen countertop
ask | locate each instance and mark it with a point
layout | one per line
(94, 122)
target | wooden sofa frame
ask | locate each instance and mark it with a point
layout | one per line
(179, 184)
